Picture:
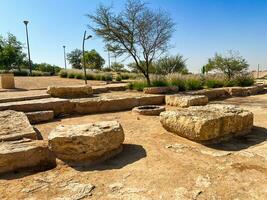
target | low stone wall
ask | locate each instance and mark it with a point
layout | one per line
(229, 91)
(82, 106)
(98, 105)
(70, 91)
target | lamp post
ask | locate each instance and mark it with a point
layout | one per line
(29, 55)
(64, 47)
(84, 68)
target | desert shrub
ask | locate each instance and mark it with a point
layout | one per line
(158, 81)
(108, 77)
(118, 78)
(214, 83)
(244, 80)
(71, 75)
(79, 76)
(138, 85)
(63, 74)
(20, 73)
(193, 84)
(229, 83)
(124, 76)
(90, 76)
(176, 80)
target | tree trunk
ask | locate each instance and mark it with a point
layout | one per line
(148, 79)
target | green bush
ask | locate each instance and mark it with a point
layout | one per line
(90, 76)
(193, 84)
(71, 75)
(109, 77)
(124, 76)
(229, 83)
(244, 80)
(214, 83)
(79, 76)
(159, 82)
(20, 73)
(138, 85)
(63, 74)
(118, 78)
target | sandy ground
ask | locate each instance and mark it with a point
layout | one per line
(29, 83)
(156, 164)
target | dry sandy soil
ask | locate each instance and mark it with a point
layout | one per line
(156, 164)
(29, 83)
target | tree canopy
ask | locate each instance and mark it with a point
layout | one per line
(171, 64)
(93, 60)
(137, 32)
(229, 65)
(75, 58)
(11, 54)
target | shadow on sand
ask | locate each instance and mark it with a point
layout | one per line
(256, 136)
(130, 154)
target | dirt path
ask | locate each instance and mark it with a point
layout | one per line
(156, 164)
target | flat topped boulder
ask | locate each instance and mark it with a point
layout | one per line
(208, 123)
(70, 91)
(14, 126)
(87, 143)
(186, 100)
(26, 153)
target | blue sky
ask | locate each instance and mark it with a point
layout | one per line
(203, 27)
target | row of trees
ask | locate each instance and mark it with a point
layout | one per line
(144, 35)
(12, 57)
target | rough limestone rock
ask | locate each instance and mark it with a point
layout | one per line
(70, 91)
(213, 122)
(160, 90)
(186, 100)
(14, 126)
(26, 153)
(212, 94)
(87, 143)
(40, 116)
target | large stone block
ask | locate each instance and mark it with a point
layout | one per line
(70, 91)
(186, 100)
(59, 106)
(208, 123)
(7, 81)
(40, 116)
(14, 126)
(87, 143)
(26, 153)
(212, 94)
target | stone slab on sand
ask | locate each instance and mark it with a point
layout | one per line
(186, 100)
(70, 91)
(208, 123)
(26, 153)
(86, 143)
(14, 126)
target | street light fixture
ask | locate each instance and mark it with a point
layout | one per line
(29, 55)
(64, 47)
(84, 68)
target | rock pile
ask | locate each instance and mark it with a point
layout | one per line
(208, 123)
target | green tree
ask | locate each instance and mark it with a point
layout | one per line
(93, 60)
(117, 67)
(171, 64)
(75, 58)
(229, 65)
(11, 54)
(137, 32)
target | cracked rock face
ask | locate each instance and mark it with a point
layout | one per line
(88, 142)
(208, 123)
(26, 153)
(14, 126)
(186, 100)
